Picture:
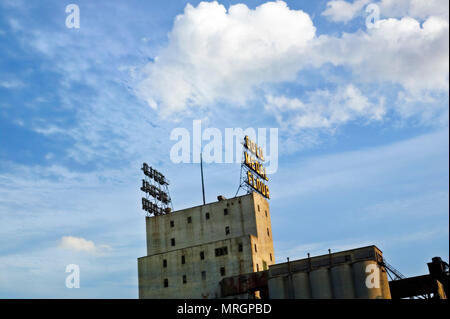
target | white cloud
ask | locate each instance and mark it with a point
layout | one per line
(398, 51)
(324, 109)
(81, 244)
(419, 9)
(11, 84)
(343, 11)
(215, 54)
(432, 107)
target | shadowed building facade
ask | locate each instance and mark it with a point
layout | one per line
(190, 251)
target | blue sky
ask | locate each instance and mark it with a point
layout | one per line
(362, 118)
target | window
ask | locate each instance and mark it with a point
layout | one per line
(256, 249)
(165, 263)
(221, 251)
(258, 208)
(202, 255)
(207, 215)
(189, 219)
(270, 257)
(184, 279)
(227, 230)
(203, 275)
(172, 223)
(240, 248)
(183, 260)
(225, 211)
(264, 265)
(166, 283)
(266, 213)
(268, 234)
(172, 241)
(222, 271)
(257, 267)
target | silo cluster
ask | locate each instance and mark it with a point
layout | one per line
(349, 274)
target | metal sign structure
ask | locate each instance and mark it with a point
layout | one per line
(253, 173)
(156, 188)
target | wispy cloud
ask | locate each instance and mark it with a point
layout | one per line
(11, 84)
(324, 110)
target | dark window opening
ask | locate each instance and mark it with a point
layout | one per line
(225, 211)
(166, 283)
(270, 257)
(165, 263)
(222, 271)
(257, 267)
(184, 279)
(183, 260)
(189, 219)
(221, 251)
(172, 241)
(172, 223)
(227, 230)
(240, 248)
(256, 249)
(202, 255)
(266, 213)
(203, 275)
(207, 215)
(258, 208)
(268, 234)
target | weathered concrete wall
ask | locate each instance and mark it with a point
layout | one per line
(152, 273)
(248, 227)
(240, 220)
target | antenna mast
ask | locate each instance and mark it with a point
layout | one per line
(203, 183)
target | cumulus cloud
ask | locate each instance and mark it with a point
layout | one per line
(215, 54)
(343, 11)
(81, 244)
(397, 51)
(324, 109)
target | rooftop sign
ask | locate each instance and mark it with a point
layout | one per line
(253, 167)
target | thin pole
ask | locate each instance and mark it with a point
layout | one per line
(203, 183)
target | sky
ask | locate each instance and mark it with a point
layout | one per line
(358, 91)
